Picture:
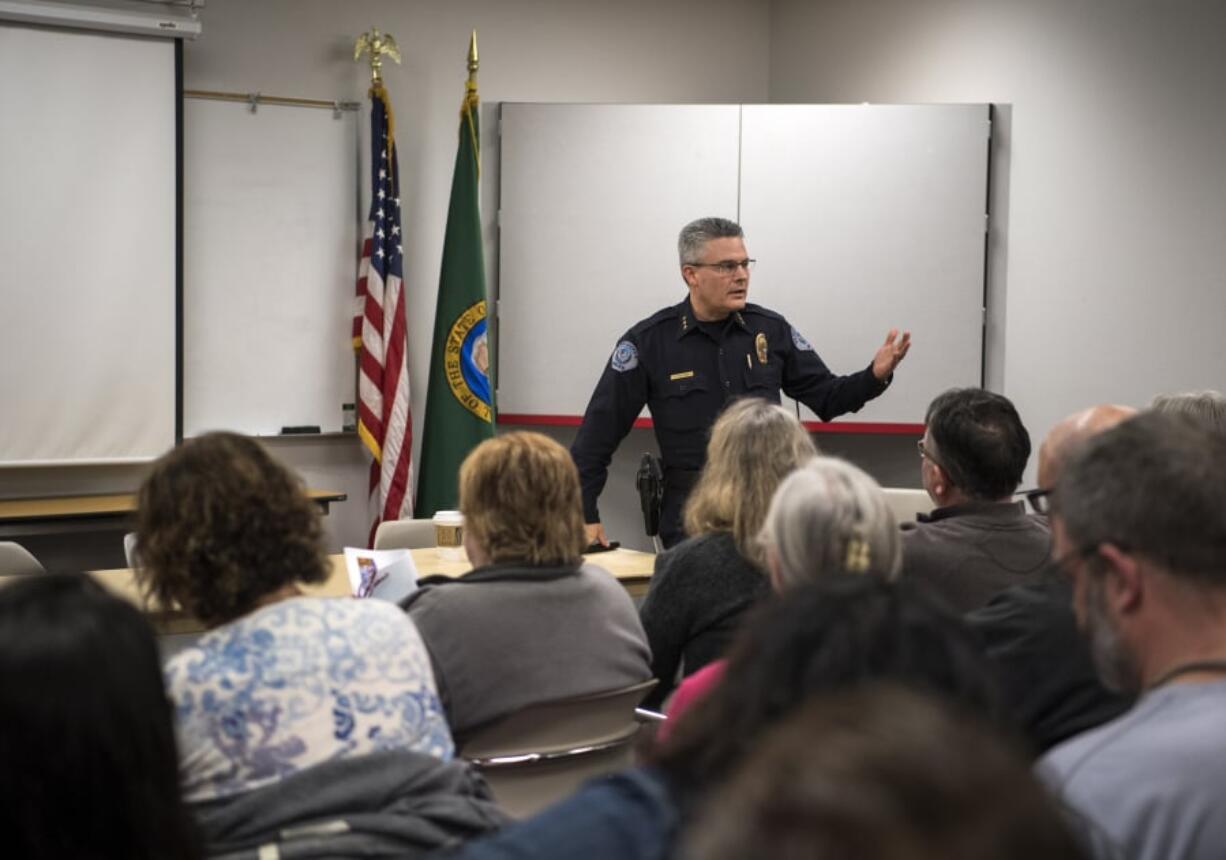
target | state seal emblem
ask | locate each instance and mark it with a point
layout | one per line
(466, 361)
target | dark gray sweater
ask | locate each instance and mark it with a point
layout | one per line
(505, 636)
(968, 553)
(695, 604)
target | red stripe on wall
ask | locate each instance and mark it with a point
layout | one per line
(869, 427)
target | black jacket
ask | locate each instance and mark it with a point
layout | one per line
(394, 804)
(1050, 689)
(686, 375)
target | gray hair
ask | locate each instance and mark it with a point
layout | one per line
(1154, 485)
(830, 517)
(1208, 407)
(696, 234)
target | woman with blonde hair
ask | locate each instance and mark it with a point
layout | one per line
(828, 518)
(531, 622)
(702, 587)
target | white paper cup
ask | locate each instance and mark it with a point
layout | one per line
(449, 535)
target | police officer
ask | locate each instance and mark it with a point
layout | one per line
(687, 361)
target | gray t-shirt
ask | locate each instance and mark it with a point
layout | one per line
(1150, 784)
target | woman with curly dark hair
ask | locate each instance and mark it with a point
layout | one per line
(282, 681)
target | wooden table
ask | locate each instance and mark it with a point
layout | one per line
(632, 568)
(60, 508)
(83, 532)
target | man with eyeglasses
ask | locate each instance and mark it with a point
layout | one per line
(686, 362)
(1048, 685)
(1062, 440)
(977, 541)
(1139, 520)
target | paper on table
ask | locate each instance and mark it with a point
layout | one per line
(388, 574)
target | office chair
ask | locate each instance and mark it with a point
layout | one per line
(543, 752)
(905, 504)
(16, 560)
(404, 534)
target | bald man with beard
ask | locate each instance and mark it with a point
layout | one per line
(1139, 523)
(1047, 677)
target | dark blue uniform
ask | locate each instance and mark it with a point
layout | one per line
(686, 371)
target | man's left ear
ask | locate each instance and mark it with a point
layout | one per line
(1125, 584)
(940, 483)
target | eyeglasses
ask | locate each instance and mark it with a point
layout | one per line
(925, 453)
(1040, 500)
(726, 267)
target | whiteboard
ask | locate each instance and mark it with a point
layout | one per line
(592, 197)
(862, 218)
(271, 235)
(87, 247)
(868, 217)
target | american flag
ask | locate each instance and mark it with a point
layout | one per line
(379, 334)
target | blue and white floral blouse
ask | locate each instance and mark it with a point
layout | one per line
(299, 682)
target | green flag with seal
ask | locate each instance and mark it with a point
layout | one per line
(460, 396)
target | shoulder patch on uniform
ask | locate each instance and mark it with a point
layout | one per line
(625, 357)
(799, 340)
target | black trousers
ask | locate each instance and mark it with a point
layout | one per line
(677, 486)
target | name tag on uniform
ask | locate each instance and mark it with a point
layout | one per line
(685, 374)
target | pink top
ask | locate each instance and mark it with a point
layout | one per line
(693, 689)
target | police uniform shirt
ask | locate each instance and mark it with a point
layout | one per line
(686, 371)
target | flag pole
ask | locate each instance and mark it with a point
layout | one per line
(460, 392)
(378, 44)
(385, 423)
(472, 62)
(471, 99)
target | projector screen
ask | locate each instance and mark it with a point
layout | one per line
(87, 246)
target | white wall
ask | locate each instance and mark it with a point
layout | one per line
(1117, 216)
(531, 50)
(1117, 199)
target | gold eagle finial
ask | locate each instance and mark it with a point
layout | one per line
(377, 44)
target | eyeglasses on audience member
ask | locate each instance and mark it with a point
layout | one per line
(1039, 499)
(926, 454)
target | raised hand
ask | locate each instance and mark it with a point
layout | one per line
(891, 353)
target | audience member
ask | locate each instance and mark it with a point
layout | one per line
(827, 517)
(1139, 521)
(977, 541)
(1063, 440)
(834, 635)
(1206, 406)
(702, 587)
(1048, 684)
(531, 622)
(286, 693)
(882, 774)
(87, 746)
